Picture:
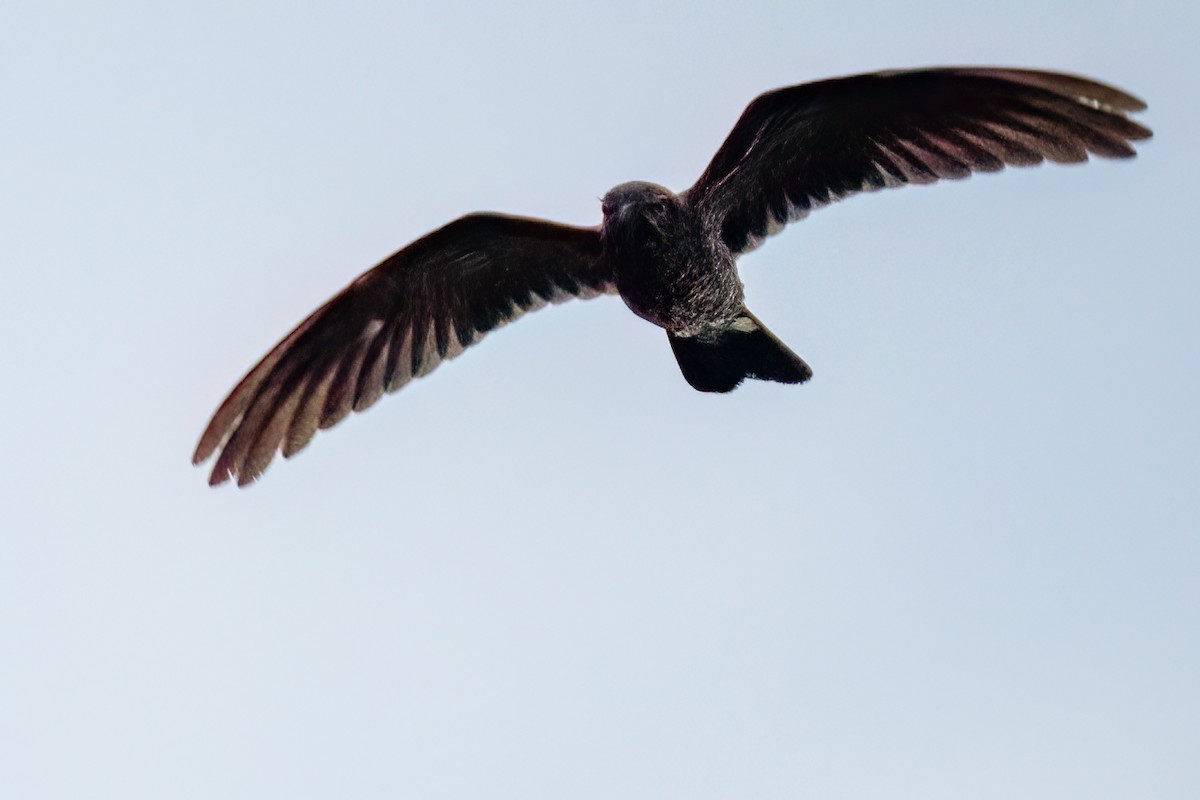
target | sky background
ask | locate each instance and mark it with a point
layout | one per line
(961, 562)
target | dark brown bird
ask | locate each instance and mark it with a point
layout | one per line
(671, 257)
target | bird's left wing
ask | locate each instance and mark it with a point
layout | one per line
(802, 147)
(398, 321)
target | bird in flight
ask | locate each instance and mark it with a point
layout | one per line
(670, 257)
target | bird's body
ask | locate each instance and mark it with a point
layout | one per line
(669, 266)
(672, 268)
(670, 256)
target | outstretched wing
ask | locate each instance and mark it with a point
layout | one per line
(398, 321)
(798, 148)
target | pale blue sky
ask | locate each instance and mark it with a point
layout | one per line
(960, 563)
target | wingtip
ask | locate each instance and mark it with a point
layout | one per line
(1139, 132)
(210, 440)
(200, 455)
(1066, 84)
(218, 477)
(241, 479)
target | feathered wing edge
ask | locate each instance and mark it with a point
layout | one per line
(421, 306)
(803, 147)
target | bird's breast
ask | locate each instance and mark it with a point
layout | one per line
(674, 275)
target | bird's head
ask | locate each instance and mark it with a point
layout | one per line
(638, 197)
(637, 212)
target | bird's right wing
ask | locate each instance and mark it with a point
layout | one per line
(805, 146)
(398, 321)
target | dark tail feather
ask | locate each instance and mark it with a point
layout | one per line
(720, 359)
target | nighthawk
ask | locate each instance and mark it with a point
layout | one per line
(671, 257)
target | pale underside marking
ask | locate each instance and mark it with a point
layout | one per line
(429, 354)
(453, 345)
(373, 327)
(403, 361)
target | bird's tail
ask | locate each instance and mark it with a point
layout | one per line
(718, 360)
